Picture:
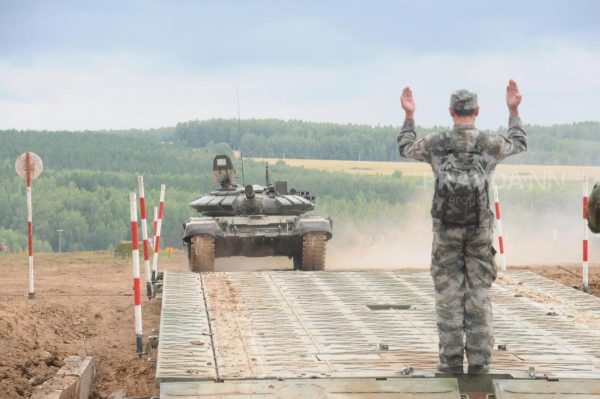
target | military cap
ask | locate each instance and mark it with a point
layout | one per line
(463, 100)
(593, 209)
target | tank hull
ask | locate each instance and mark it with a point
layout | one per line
(257, 235)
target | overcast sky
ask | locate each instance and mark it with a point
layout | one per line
(142, 64)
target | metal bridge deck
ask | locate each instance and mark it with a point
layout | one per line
(300, 325)
(397, 388)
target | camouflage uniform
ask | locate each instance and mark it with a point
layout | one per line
(593, 210)
(462, 260)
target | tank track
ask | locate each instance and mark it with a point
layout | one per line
(313, 251)
(201, 253)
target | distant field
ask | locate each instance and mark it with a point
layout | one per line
(420, 169)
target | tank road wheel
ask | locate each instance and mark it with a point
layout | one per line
(202, 253)
(313, 251)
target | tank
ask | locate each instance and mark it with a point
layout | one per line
(254, 221)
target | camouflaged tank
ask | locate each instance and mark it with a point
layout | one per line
(254, 221)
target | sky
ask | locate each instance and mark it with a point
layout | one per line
(79, 65)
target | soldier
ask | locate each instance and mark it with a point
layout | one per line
(593, 210)
(463, 265)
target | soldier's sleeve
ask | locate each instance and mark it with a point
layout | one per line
(500, 147)
(410, 147)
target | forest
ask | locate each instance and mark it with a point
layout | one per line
(567, 144)
(87, 178)
(88, 175)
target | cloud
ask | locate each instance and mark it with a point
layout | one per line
(559, 84)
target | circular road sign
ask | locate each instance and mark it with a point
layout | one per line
(36, 166)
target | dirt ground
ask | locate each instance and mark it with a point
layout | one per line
(84, 306)
(569, 275)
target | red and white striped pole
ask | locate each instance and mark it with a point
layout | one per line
(586, 286)
(161, 207)
(145, 237)
(137, 284)
(29, 167)
(499, 224)
(31, 293)
(155, 220)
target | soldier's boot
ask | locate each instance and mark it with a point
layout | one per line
(444, 368)
(478, 369)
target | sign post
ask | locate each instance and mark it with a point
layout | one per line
(29, 167)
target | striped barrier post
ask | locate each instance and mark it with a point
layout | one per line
(155, 220)
(161, 206)
(499, 224)
(145, 237)
(586, 286)
(31, 292)
(137, 284)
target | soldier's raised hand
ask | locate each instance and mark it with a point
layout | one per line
(408, 103)
(513, 96)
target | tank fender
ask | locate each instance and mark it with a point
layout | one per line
(314, 225)
(195, 228)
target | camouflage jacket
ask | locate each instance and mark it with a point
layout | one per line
(462, 138)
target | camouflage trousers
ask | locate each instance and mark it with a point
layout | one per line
(463, 269)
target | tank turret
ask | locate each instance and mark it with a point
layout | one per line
(229, 199)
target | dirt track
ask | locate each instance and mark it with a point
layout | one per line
(84, 305)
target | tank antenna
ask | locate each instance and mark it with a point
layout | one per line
(237, 89)
(267, 175)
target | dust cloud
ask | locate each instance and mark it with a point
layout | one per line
(540, 228)
(407, 246)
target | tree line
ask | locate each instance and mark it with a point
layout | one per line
(568, 144)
